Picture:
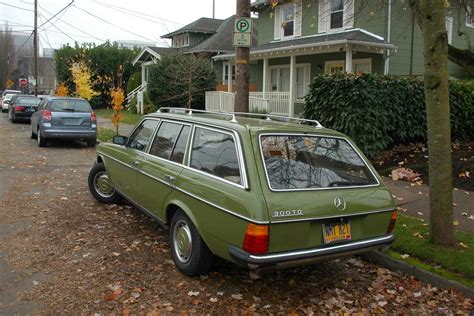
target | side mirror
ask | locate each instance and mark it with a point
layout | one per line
(120, 140)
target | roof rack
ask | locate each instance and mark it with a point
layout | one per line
(269, 117)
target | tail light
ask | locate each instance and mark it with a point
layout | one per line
(47, 115)
(256, 239)
(19, 108)
(93, 117)
(393, 220)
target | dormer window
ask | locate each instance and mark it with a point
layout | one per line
(287, 20)
(181, 40)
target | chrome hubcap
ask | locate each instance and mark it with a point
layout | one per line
(102, 185)
(182, 241)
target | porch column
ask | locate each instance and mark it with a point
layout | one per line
(292, 86)
(229, 77)
(348, 58)
(265, 78)
(143, 74)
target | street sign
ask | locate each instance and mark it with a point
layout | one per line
(23, 82)
(243, 32)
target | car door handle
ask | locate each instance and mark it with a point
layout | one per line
(170, 178)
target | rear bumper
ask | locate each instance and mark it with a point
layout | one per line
(307, 256)
(69, 133)
(23, 115)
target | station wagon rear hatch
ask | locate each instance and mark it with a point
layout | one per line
(316, 177)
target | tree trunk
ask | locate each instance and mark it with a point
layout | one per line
(435, 49)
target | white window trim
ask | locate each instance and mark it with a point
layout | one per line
(449, 28)
(470, 7)
(343, 63)
(307, 76)
(279, 32)
(185, 40)
(225, 66)
(324, 16)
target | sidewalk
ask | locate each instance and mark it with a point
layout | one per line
(124, 129)
(415, 200)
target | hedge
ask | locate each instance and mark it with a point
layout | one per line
(378, 112)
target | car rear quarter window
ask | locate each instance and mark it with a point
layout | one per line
(214, 152)
(180, 147)
(165, 139)
(142, 135)
(295, 162)
(69, 105)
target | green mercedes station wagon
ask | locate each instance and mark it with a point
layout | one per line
(262, 191)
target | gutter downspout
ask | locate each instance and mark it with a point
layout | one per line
(389, 29)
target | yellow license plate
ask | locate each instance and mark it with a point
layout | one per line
(336, 232)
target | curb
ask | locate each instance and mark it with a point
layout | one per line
(422, 275)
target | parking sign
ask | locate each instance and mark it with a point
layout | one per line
(243, 32)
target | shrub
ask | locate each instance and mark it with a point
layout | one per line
(379, 112)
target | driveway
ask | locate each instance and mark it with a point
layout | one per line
(61, 252)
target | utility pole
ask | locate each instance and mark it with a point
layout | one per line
(35, 43)
(242, 67)
(213, 9)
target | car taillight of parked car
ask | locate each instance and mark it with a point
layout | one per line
(93, 117)
(47, 115)
(393, 220)
(256, 239)
(19, 108)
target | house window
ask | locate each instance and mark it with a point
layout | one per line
(337, 14)
(288, 20)
(470, 13)
(449, 28)
(181, 40)
(363, 65)
(225, 73)
(280, 79)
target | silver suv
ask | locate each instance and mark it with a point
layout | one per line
(64, 118)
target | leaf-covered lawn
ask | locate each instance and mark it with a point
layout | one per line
(413, 239)
(128, 118)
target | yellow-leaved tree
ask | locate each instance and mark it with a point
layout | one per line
(61, 90)
(9, 83)
(82, 78)
(117, 96)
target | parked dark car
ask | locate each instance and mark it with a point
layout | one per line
(21, 107)
(64, 118)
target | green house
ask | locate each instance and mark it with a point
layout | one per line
(299, 39)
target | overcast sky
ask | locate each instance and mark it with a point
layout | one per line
(142, 20)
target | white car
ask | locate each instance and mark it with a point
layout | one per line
(6, 97)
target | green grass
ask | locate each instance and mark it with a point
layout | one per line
(453, 260)
(128, 118)
(105, 134)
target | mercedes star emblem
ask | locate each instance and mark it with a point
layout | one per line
(339, 203)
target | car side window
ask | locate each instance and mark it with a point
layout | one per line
(180, 147)
(165, 140)
(142, 135)
(215, 153)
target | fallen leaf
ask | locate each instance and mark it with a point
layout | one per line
(116, 254)
(213, 299)
(463, 245)
(416, 294)
(236, 296)
(464, 214)
(404, 256)
(419, 213)
(112, 296)
(191, 293)
(456, 223)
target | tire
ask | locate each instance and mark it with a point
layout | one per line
(100, 186)
(32, 134)
(190, 254)
(42, 142)
(91, 142)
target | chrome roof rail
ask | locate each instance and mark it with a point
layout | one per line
(234, 115)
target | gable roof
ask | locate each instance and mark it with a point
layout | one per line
(202, 25)
(221, 41)
(352, 36)
(150, 51)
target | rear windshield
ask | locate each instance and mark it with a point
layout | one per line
(295, 162)
(69, 106)
(27, 101)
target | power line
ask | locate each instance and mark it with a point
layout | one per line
(57, 13)
(110, 23)
(14, 6)
(76, 28)
(57, 28)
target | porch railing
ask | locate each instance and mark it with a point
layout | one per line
(274, 102)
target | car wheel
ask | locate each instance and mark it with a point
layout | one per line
(41, 140)
(91, 142)
(32, 134)
(190, 254)
(100, 185)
